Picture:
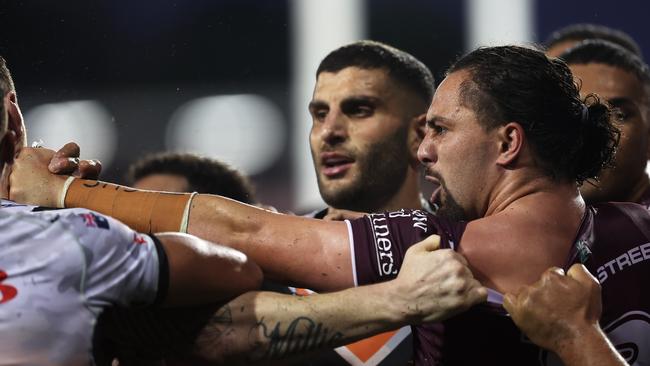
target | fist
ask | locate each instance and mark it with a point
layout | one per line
(436, 284)
(556, 308)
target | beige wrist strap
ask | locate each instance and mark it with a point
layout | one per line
(64, 192)
(144, 211)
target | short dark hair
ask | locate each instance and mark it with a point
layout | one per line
(401, 66)
(571, 139)
(205, 175)
(608, 53)
(584, 31)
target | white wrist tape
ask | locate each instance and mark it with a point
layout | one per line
(64, 192)
(186, 214)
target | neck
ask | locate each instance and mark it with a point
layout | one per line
(522, 190)
(639, 189)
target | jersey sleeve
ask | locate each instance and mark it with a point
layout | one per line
(379, 241)
(123, 267)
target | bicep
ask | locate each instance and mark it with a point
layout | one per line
(316, 253)
(200, 271)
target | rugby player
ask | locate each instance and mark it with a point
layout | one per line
(622, 79)
(253, 330)
(508, 140)
(61, 269)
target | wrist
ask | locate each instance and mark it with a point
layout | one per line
(62, 191)
(578, 339)
(399, 309)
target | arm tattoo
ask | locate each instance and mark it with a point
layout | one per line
(301, 335)
(217, 328)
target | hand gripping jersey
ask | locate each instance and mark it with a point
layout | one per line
(58, 270)
(612, 242)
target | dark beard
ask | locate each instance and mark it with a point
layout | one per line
(382, 172)
(449, 208)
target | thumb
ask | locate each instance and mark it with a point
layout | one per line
(430, 244)
(580, 273)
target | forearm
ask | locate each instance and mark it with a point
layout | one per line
(263, 326)
(590, 348)
(290, 249)
(272, 240)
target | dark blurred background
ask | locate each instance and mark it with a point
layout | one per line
(218, 77)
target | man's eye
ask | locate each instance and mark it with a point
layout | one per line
(320, 114)
(437, 129)
(361, 111)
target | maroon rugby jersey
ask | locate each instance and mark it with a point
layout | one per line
(485, 334)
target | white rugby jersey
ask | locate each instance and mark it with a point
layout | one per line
(58, 270)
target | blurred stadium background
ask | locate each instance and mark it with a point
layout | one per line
(232, 78)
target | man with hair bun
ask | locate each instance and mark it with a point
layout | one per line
(508, 139)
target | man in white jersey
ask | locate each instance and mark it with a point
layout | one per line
(60, 269)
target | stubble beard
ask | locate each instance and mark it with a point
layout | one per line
(449, 208)
(381, 173)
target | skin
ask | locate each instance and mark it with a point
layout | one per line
(560, 313)
(189, 258)
(364, 137)
(519, 212)
(519, 208)
(492, 178)
(627, 181)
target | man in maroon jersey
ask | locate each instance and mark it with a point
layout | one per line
(508, 140)
(623, 79)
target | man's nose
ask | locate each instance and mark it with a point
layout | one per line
(334, 129)
(427, 151)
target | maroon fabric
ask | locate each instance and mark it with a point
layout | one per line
(612, 242)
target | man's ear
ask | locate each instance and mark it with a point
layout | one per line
(15, 119)
(416, 133)
(511, 141)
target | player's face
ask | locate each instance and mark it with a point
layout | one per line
(624, 92)
(359, 137)
(163, 182)
(457, 152)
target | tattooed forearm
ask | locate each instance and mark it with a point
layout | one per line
(301, 335)
(215, 330)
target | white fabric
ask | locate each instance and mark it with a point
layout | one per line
(66, 266)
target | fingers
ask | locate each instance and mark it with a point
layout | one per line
(89, 169)
(65, 160)
(509, 302)
(478, 294)
(69, 150)
(61, 165)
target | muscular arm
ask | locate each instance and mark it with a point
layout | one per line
(262, 326)
(192, 260)
(305, 252)
(301, 251)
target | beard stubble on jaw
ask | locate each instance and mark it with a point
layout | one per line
(382, 171)
(449, 207)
